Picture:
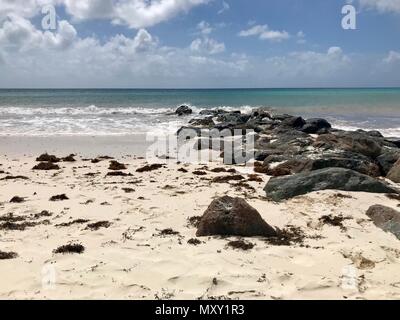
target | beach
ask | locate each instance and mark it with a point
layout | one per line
(77, 232)
(133, 259)
(313, 209)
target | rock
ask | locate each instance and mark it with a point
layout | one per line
(294, 122)
(189, 132)
(394, 141)
(365, 167)
(48, 158)
(372, 133)
(282, 188)
(394, 173)
(311, 161)
(206, 122)
(316, 125)
(281, 117)
(233, 118)
(286, 141)
(351, 141)
(385, 218)
(46, 166)
(387, 159)
(183, 111)
(212, 112)
(229, 216)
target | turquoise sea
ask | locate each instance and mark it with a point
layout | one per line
(130, 111)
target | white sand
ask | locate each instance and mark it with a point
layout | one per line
(360, 262)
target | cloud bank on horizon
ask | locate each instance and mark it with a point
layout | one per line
(199, 43)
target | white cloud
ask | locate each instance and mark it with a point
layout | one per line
(382, 6)
(310, 64)
(207, 45)
(392, 57)
(17, 33)
(204, 28)
(133, 13)
(225, 7)
(264, 33)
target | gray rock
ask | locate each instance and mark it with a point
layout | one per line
(228, 216)
(282, 188)
(385, 218)
(387, 159)
(394, 173)
(206, 122)
(357, 142)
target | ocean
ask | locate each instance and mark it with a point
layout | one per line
(107, 112)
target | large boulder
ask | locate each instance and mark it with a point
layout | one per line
(385, 218)
(357, 142)
(229, 216)
(387, 159)
(394, 173)
(282, 188)
(316, 125)
(183, 111)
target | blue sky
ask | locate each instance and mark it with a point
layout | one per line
(199, 43)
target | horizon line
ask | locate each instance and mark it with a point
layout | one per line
(198, 88)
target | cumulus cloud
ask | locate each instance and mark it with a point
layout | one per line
(264, 33)
(133, 13)
(17, 33)
(382, 6)
(207, 45)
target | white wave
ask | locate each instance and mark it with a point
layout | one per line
(74, 111)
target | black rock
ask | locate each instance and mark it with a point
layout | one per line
(385, 218)
(393, 141)
(294, 122)
(228, 216)
(316, 125)
(282, 188)
(183, 111)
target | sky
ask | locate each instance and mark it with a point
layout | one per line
(198, 44)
